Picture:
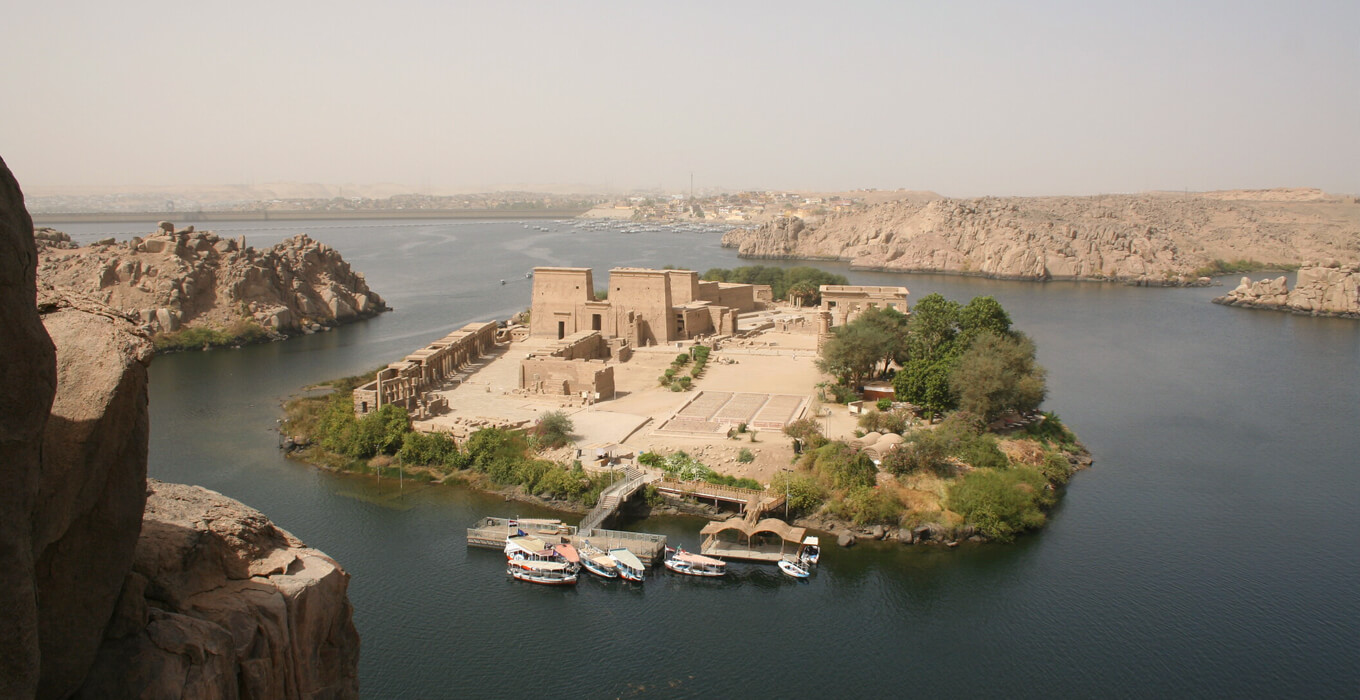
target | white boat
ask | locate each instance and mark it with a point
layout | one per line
(630, 567)
(601, 565)
(682, 562)
(597, 562)
(551, 573)
(810, 552)
(792, 569)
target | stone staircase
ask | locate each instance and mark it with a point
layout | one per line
(610, 500)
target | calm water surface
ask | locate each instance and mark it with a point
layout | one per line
(1205, 554)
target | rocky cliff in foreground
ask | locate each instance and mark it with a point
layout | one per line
(111, 588)
(1148, 239)
(1322, 289)
(173, 279)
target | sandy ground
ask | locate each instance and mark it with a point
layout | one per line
(772, 363)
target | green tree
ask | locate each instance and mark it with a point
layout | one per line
(852, 352)
(983, 314)
(932, 329)
(926, 383)
(998, 374)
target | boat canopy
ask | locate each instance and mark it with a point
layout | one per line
(541, 565)
(812, 540)
(775, 526)
(528, 544)
(627, 558)
(604, 560)
(699, 559)
(568, 552)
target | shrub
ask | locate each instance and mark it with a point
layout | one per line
(839, 466)
(741, 427)
(807, 430)
(920, 451)
(805, 494)
(696, 370)
(676, 386)
(431, 449)
(1051, 430)
(663, 380)
(865, 505)
(685, 382)
(729, 480)
(1056, 468)
(1001, 503)
(652, 495)
(489, 447)
(670, 372)
(884, 404)
(681, 466)
(554, 429)
(651, 459)
(681, 360)
(746, 456)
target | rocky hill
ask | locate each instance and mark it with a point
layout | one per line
(1155, 238)
(174, 279)
(1320, 289)
(113, 588)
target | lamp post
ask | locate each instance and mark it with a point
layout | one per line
(787, 479)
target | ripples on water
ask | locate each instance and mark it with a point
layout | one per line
(1207, 553)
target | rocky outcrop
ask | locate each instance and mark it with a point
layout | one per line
(1324, 289)
(28, 384)
(177, 278)
(222, 603)
(73, 433)
(1144, 239)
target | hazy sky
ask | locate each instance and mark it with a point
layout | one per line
(964, 98)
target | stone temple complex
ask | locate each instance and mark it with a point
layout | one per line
(643, 307)
(575, 337)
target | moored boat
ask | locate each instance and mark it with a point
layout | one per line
(792, 569)
(630, 567)
(597, 562)
(601, 565)
(810, 552)
(682, 562)
(551, 573)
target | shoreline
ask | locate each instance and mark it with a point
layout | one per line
(1127, 281)
(301, 215)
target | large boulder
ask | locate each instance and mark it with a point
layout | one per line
(209, 569)
(88, 511)
(28, 383)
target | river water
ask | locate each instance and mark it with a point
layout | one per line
(1204, 554)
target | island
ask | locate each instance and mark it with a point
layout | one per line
(777, 394)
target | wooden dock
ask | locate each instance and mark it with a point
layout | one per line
(491, 533)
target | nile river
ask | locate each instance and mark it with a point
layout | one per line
(1204, 555)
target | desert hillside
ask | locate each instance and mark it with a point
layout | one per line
(172, 279)
(1150, 237)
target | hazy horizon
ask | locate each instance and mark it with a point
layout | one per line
(961, 99)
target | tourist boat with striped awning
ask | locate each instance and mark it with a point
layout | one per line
(551, 573)
(682, 562)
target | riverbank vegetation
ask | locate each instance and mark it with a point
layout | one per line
(328, 434)
(1240, 266)
(991, 467)
(241, 332)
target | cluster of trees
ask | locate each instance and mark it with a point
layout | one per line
(950, 356)
(503, 456)
(968, 357)
(785, 282)
(673, 378)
